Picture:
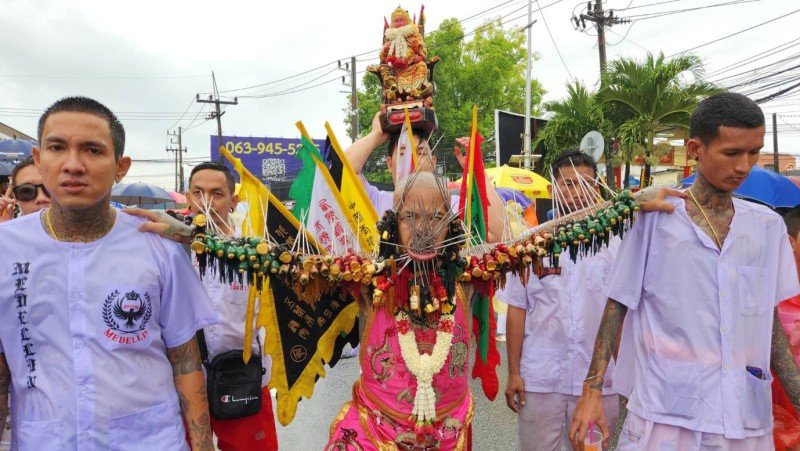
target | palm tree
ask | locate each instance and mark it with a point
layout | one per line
(572, 118)
(655, 95)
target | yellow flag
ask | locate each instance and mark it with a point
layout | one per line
(352, 190)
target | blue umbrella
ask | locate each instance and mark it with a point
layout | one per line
(6, 168)
(15, 149)
(139, 194)
(764, 186)
(508, 194)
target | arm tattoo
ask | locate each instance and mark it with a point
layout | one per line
(783, 363)
(202, 433)
(5, 382)
(185, 358)
(183, 402)
(605, 345)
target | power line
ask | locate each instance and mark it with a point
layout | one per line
(757, 57)
(644, 6)
(73, 77)
(293, 89)
(735, 33)
(357, 55)
(191, 102)
(300, 88)
(553, 40)
(655, 15)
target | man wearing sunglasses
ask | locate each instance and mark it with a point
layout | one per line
(26, 192)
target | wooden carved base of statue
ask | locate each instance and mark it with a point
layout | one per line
(421, 118)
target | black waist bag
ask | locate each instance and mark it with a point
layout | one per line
(234, 388)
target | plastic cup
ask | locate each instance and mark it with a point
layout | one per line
(594, 439)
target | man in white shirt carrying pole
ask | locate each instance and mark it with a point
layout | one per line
(699, 288)
(213, 185)
(97, 340)
(552, 323)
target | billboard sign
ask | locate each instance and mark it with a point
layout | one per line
(270, 159)
(509, 128)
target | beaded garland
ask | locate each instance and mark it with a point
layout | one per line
(251, 259)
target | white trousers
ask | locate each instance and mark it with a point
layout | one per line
(543, 421)
(640, 434)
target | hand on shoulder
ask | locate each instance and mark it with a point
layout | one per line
(653, 198)
(161, 223)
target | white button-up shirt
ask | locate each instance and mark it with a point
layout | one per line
(85, 330)
(698, 317)
(563, 315)
(230, 303)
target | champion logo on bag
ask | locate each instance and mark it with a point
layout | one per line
(229, 398)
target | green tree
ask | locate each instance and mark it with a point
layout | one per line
(487, 70)
(654, 96)
(572, 118)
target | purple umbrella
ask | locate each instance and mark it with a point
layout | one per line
(140, 194)
(15, 149)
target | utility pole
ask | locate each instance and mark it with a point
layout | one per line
(526, 138)
(217, 114)
(775, 142)
(179, 176)
(351, 68)
(602, 20)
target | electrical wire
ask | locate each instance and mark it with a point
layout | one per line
(191, 102)
(72, 77)
(357, 55)
(553, 41)
(644, 6)
(655, 15)
(293, 89)
(300, 88)
(736, 33)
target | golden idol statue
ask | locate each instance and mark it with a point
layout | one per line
(406, 73)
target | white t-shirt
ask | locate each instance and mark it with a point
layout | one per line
(85, 332)
(564, 309)
(698, 317)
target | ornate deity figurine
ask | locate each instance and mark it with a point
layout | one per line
(406, 73)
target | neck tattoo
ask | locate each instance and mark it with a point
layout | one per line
(90, 226)
(705, 216)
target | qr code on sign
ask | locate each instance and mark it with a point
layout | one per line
(273, 168)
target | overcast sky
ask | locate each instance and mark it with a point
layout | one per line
(146, 60)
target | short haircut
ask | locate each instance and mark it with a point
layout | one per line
(727, 109)
(572, 158)
(395, 138)
(20, 166)
(215, 166)
(792, 220)
(86, 105)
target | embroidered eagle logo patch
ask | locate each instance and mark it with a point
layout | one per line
(126, 316)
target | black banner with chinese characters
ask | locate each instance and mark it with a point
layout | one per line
(301, 336)
(302, 326)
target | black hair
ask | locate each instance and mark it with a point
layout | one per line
(422, 135)
(215, 166)
(21, 165)
(728, 109)
(80, 104)
(571, 158)
(792, 220)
